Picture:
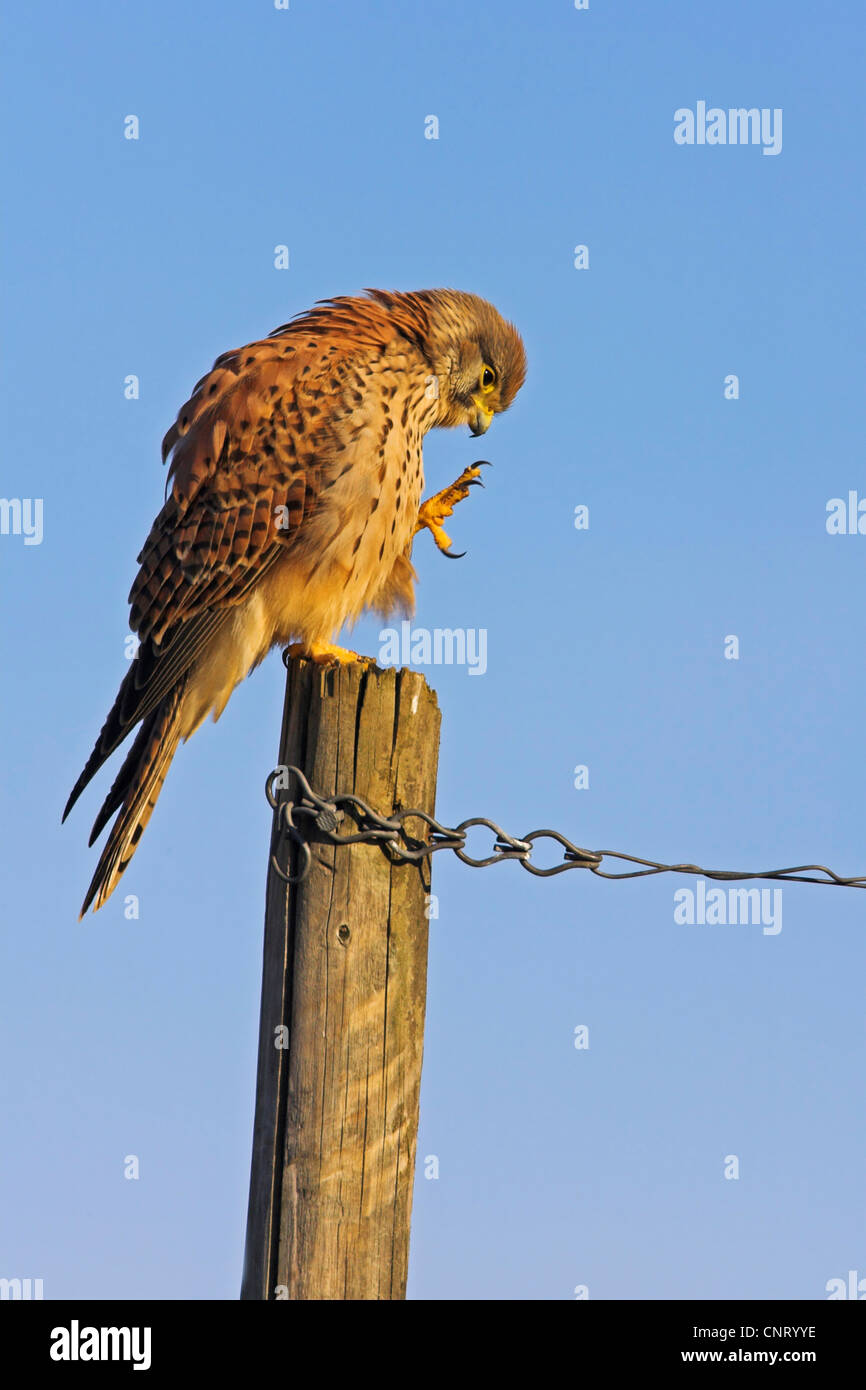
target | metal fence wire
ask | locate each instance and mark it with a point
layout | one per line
(311, 817)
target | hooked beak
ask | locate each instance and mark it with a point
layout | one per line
(480, 421)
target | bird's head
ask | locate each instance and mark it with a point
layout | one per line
(477, 357)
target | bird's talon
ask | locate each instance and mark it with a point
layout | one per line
(433, 512)
(325, 654)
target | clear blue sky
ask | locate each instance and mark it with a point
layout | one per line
(558, 1167)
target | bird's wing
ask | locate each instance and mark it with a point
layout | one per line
(263, 435)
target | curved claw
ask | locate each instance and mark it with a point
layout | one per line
(453, 554)
(479, 463)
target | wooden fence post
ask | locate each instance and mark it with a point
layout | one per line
(343, 1002)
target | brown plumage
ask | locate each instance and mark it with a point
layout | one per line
(294, 495)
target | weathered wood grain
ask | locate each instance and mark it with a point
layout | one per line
(345, 973)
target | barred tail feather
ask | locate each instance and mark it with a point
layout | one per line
(135, 791)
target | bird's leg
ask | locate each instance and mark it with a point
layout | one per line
(433, 512)
(326, 654)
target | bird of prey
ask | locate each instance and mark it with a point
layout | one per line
(293, 497)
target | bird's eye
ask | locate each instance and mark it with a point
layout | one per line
(488, 379)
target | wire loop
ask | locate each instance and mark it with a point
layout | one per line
(315, 817)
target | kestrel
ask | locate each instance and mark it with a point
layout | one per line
(294, 496)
